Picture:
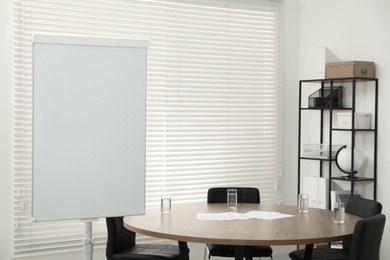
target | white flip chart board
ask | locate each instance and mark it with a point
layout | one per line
(88, 127)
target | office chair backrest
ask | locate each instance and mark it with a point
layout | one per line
(367, 238)
(118, 237)
(244, 195)
(363, 208)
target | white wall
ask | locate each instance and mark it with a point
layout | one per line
(353, 30)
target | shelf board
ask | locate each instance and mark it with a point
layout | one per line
(326, 108)
(346, 178)
(356, 130)
(339, 80)
(316, 158)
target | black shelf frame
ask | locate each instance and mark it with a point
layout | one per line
(352, 179)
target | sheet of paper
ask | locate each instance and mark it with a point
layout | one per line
(266, 215)
(220, 216)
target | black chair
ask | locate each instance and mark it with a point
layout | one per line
(121, 245)
(244, 195)
(365, 244)
(363, 208)
(358, 206)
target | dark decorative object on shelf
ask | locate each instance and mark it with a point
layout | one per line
(323, 97)
(343, 160)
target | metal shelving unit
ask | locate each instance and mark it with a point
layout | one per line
(328, 130)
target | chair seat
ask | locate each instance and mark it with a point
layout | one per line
(321, 254)
(148, 252)
(228, 250)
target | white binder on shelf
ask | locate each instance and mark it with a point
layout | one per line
(316, 188)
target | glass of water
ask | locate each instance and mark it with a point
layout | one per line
(303, 203)
(165, 204)
(232, 198)
(338, 212)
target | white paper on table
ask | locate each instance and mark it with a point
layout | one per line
(265, 215)
(220, 216)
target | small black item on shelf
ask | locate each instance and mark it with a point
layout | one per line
(343, 161)
(322, 98)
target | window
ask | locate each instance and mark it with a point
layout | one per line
(213, 99)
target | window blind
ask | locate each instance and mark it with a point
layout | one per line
(213, 99)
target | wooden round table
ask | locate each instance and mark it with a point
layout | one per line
(182, 225)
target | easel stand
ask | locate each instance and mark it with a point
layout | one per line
(88, 241)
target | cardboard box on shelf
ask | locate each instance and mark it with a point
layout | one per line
(349, 69)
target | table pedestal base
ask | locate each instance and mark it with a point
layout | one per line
(184, 251)
(308, 251)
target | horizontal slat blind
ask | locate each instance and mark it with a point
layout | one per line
(213, 99)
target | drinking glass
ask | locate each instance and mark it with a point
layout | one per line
(232, 198)
(165, 204)
(338, 212)
(303, 203)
